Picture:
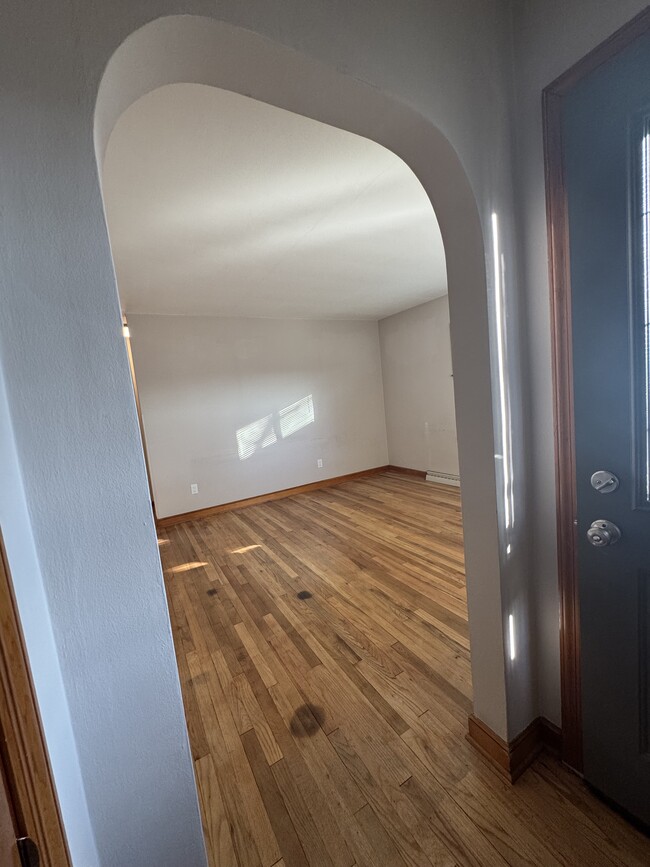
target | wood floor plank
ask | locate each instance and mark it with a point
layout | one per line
(384, 851)
(221, 852)
(230, 761)
(399, 818)
(285, 833)
(453, 828)
(258, 721)
(293, 795)
(324, 801)
(342, 795)
(255, 654)
(233, 798)
(323, 652)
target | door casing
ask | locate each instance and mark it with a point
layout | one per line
(23, 753)
(562, 374)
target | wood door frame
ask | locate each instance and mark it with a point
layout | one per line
(562, 373)
(23, 753)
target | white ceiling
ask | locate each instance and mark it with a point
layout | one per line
(218, 204)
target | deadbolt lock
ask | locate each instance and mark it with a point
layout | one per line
(603, 533)
(604, 482)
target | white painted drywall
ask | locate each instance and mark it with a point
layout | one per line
(418, 388)
(549, 37)
(243, 407)
(39, 638)
(73, 414)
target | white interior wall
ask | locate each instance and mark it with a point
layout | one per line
(549, 37)
(418, 388)
(39, 638)
(243, 407)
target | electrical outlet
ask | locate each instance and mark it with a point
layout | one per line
(194, 489)
(320, 463)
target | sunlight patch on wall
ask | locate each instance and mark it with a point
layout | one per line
(257, 435)
(263, 431)
(296, 416)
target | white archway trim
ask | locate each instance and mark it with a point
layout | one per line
(201, 50)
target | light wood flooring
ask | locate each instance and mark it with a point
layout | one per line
(323, 651)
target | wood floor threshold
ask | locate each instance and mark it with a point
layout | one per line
(210, 511)
(511, 759)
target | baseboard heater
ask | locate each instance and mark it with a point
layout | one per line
(443, 478)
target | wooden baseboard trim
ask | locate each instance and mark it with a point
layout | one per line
(405, 471)
(551, 736)
(208, 512)
(511, 759)
(489, 744)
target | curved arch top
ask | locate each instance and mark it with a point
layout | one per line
(194, 49)
(198, 50)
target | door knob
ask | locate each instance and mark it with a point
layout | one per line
(603, 533)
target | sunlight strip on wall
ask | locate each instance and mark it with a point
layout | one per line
(504, 394)
(511, 637)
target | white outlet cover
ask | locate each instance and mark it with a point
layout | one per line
(194, 489)
(320, 462)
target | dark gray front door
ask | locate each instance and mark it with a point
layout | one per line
(606, 130)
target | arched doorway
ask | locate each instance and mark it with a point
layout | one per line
(191, 49)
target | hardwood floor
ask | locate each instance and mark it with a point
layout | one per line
(323, 650)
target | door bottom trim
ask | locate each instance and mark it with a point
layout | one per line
(512, 758)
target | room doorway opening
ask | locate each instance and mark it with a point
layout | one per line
(209, 52)
(267, 262)
(287, 323)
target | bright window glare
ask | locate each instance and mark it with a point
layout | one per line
(296, 416)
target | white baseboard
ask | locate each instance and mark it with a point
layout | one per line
(443, 478)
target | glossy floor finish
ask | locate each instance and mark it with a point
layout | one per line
(323, 650)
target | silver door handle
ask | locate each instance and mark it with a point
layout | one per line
(603, 533)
